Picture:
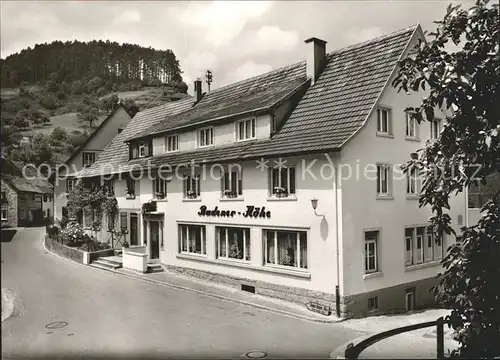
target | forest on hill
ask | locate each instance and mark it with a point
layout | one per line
(80, 61)
(54, 95)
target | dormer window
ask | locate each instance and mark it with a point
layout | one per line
(140, 150)
(143, 150)
(172, 143)
(206, 137)
(245, 129)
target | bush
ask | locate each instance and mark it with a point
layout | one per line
(93, 245)
(52, 231)
(74, 235)
(49, 102)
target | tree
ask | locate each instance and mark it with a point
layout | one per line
(110, 103)
(88, 115)
(131, 107)
(22, 119)
(38, 152)
(467, 83)
(49, 102)
(59, 134)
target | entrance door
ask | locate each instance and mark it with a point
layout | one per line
(134, 229)
(154, 235)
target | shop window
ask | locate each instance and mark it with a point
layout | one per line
(192, 239)
(233, 243)
(285, 248)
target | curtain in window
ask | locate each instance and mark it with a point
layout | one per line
(287, 248)
(270, 246)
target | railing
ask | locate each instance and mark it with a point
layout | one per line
(352, 351)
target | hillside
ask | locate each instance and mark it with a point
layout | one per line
(71, 87)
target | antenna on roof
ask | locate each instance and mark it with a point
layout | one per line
(209, 77)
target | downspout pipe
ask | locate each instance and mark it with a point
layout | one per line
(337, 242)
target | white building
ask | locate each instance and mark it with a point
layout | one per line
(288, 184)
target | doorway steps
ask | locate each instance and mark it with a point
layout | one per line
(154, 268)
(108, 262)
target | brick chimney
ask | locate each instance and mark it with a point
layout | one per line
(197, 90)
(316, 58)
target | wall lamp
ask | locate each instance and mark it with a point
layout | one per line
(314, 203)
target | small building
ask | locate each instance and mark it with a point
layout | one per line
(289, 184)
(86, 155)
(27, 198)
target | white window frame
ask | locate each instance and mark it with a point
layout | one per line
(249, 125)
(411, 126)
(411, 182)
(435, 128)
(195, 182)
(419, 253)
(410, 294)
(426, 254)
(367, 242)
(203, 234)
(85, 158)
(172, 143)
(380, 121)
(274, 187)
(205, 131)
(275, 263)
(409, 253)
(142, 150)
(70, 184)
(159, 186)
(228, 192)
(222, 235)
(4, 214)
(383, 174)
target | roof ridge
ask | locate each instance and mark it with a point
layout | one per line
(370, 41)
(297, 64)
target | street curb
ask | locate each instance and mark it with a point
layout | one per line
(220, 297)
(7, 305)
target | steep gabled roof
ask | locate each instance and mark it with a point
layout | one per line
(252, 95)
(94, 133)
(116, 154)
(331, 111)
(12, 173)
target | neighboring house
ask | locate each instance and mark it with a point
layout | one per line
(26, 198)
(287, 184)
(86, 155)
(478, 194)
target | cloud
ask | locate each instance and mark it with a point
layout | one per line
(268, 39)
(196, 63)
(221, 21)
(247, 70)
(358, 35)
(127, 17)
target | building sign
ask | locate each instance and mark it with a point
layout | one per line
(250, 212)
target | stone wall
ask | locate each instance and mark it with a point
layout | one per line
(64, 251)
(10, 204)
(391, 299)
(287, 293)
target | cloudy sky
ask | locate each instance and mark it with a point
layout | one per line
(236, 40)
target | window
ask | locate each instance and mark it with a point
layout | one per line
(45, 197)
(134, 152)
(286, 248)
(420, 246)
(192, 187)
(206, 137)
(479, 194)
(383, 121)
(123, 221)
(371, 252)
(134, 229)
(192, 239)
(410, 299)
(159, 188)
(88, 158)
(233, 243)
(245, 129)
(383, 172)
(70, 184)
(435, 128)
(283, 182)
(172, 143)
(232, 185)
(92, 218)
(130, 191)
(373, 303)
(4, 196)
(4, 214)
(109, 186)
(48, 213)
(409, 246)
(411, 126)
(143, 150)
(411, 182)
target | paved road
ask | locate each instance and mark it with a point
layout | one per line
(112, 316)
